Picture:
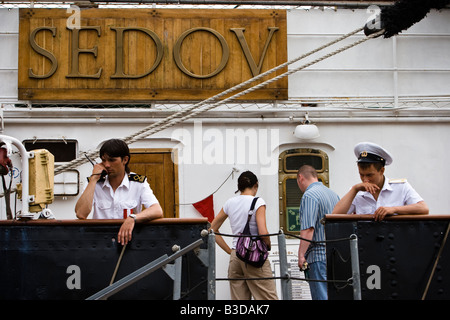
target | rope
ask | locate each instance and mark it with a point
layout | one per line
(444, 240)
(346, 282)
(186, 204)
(283, 278)
(117, 265)
(278, 233)
(318, 242)
(246, 235)
(173, 119)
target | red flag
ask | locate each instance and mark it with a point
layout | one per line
(206, 208)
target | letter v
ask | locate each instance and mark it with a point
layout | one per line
(251, 62)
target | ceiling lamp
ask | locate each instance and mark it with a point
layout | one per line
(306, 130)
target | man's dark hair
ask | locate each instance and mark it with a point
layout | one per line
(116, 148)
(365, 165)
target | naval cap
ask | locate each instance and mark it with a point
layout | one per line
(371, 152)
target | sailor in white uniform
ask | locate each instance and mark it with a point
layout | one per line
(112, 191)
(377, 194)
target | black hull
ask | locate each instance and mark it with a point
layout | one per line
(72, 260)
(405, 249)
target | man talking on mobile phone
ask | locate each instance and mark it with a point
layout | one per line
(113, 192)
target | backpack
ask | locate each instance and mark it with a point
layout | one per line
(251, 249)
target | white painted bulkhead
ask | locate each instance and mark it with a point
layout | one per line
(394, 92)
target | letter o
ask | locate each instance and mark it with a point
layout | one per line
(177, 52)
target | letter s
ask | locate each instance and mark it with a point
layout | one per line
(43, 52)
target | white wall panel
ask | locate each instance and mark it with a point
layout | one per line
(427, 52)
(334, 84)
(417, 62)
(9, 20)
(9, 37)
(8, 87)
(424, 83)
(8, 54)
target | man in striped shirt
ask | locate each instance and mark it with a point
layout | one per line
(317, 201)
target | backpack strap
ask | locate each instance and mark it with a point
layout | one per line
(253, 203)
(252, 207)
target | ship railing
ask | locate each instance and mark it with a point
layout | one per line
(285, 275)
(208, 258)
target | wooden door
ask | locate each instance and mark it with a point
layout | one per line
(161, 174)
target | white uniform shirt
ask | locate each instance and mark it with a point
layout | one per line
(394, 193)
(237, 209)
(129, 195)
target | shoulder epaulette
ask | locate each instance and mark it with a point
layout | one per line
(397, 180)
(136, 177)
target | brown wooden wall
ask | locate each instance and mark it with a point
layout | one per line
(97, 77)
(162, 175)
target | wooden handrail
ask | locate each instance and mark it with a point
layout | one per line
(87, 222)
(358, 217)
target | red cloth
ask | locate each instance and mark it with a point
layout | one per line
(206, 208)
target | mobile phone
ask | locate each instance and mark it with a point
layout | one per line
(104, 172)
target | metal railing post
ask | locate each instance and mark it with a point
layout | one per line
(356, 280)
(286, 283)
(177, 280)
(174, 272)
(211, 266)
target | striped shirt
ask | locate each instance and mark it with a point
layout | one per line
(317, 201)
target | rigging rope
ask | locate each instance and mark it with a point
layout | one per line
(191, 203)
(187, 113)
(314, 242)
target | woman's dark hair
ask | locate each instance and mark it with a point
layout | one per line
(247, 179)
(116, 148)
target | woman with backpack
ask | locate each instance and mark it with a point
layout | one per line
(237, 210)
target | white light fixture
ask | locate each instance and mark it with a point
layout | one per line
(306, 130)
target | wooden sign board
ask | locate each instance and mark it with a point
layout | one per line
(143, 55)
